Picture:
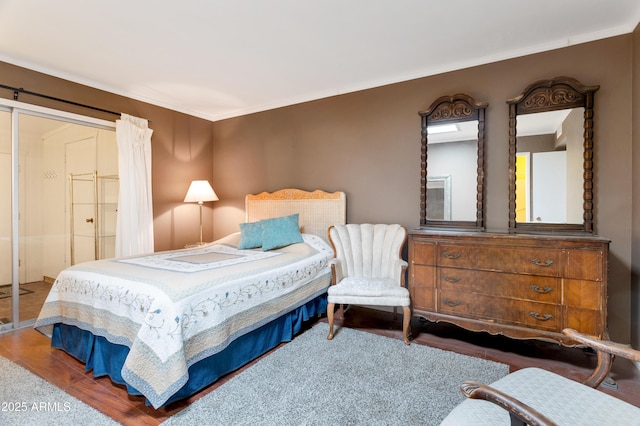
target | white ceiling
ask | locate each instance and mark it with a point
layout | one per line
(216, 59)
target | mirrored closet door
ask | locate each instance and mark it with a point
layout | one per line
(5, 218)
(40, 151)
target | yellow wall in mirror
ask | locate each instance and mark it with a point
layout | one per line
(521, 187)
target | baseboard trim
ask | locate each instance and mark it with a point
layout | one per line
(48, 280)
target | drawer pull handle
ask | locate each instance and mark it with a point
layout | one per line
(451, 255)
(452, 280)
(452, 303)
(545, 317)
(538, 262)
(544, 290)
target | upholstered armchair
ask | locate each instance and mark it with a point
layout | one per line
(535, 396)
(368, 269)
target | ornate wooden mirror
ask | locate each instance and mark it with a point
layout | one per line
(551, 157)
(452, 190)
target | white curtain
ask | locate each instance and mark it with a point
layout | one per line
(134, 229)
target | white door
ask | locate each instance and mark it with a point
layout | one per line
(549, 194)
(80, 159)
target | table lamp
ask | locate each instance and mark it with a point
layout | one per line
(200, 191)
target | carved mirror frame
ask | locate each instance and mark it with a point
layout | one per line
(453, 109)
(551, 95)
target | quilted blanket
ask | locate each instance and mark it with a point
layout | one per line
(173, 309)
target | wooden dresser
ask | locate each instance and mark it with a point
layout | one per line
(520, 286)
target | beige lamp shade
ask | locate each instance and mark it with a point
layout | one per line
(200, 191)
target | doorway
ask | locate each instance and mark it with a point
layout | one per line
(39, 149)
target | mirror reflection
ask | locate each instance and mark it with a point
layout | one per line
(551, 157)
(549, 162)
(452, 167)
(451, 182)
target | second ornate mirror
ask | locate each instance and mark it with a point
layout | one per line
(452, 190)
(551, 157)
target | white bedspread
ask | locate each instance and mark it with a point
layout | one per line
(175, 308)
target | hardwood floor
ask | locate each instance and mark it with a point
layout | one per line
(30, 304)
(30, 349)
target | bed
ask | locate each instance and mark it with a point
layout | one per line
(168, 324)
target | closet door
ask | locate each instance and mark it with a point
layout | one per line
(51, 149)
(5, 218)
(34, 199)
(41, 223)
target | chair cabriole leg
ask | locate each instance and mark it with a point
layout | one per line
(330, 309)
(406, 321)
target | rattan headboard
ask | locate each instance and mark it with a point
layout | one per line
(318, 210)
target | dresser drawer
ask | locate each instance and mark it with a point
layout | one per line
(542, 316)
(422, 283)
(584, 264)
(422, 298)
(583, 294)
(587, 320)
(536, 261)
(528, 287)
(422, 276)
(422, 253)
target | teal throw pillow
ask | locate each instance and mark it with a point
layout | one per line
(280, 232)
(250, 235)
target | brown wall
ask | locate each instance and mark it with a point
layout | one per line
(368, 145)
(182, 148)
(635, 270)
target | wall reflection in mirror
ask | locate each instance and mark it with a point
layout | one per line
(452, 175)
(451, 182)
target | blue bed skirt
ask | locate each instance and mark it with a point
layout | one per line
(106, 358)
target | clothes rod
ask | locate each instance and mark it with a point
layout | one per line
(18, 90)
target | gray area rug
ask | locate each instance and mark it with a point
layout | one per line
(358, 378)
(26, 399)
